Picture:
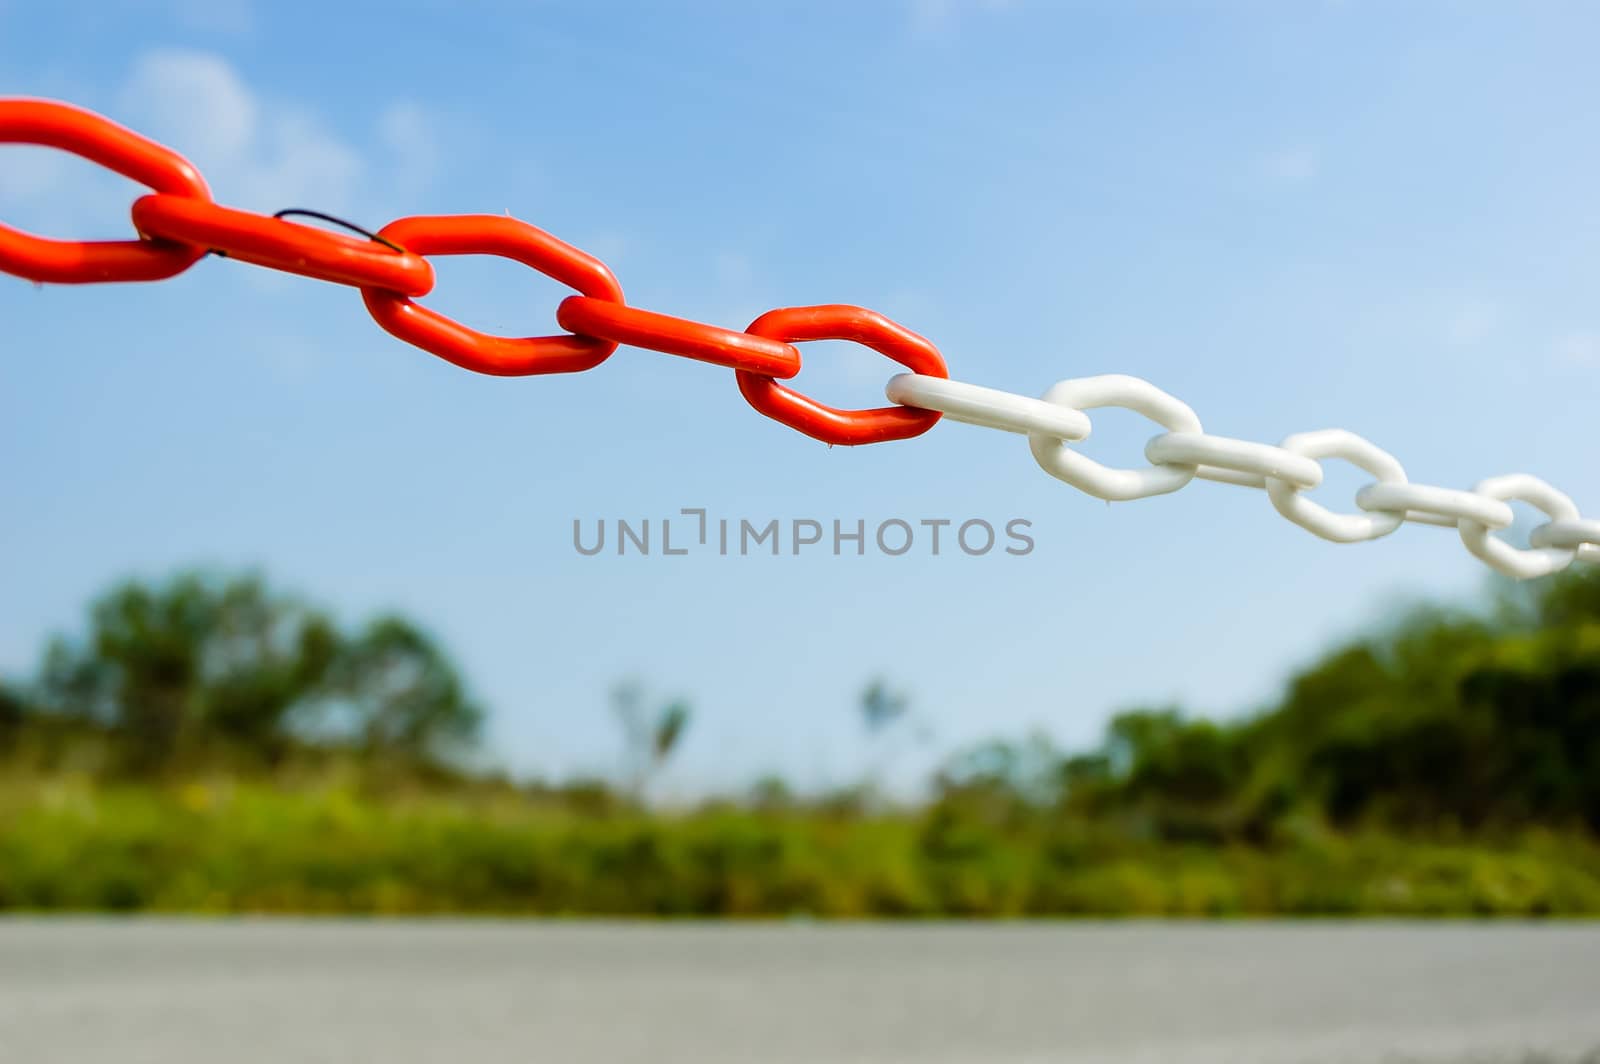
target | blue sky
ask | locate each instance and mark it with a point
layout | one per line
(1290, 215)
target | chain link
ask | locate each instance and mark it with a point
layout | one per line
(1443, 507)
(282, 245)
(1315, 518)
(1087, 475)
(987, 407)
(178, 224)
(49, 124)
(1534, 561)
(1577, 533)
(1229, 461)
(1284, 472)
(1581, 535)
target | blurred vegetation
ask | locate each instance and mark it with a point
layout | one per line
(202, 674)
(231, 847)
(210, 745)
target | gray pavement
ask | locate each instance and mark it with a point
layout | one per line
(254, 992)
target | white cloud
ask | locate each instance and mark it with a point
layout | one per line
(1579, 348)
(406, 130)
(235, 17)
(254, 153)
(1293, 164)
(938, 17)
(29, 173)
(1472, 324)
(47, 192)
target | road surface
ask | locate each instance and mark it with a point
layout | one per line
(273, 992)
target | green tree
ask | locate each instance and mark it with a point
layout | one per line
(403, 694)
(200, 669)
(1447, 720)
(189, 669)
(13, 712)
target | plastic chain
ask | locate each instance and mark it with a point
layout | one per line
(493, 234)
(283, 245)
(1317, 519)
(1523, 564)
(122, 151)
(987, 407)
(676, 336)
(178, 224)
(1445, 507)
(838, 322)
(1230, 461)
(1573, 535)
(1084, 473)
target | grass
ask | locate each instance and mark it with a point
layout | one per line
(249, 848)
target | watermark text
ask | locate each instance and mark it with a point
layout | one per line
(693, 530)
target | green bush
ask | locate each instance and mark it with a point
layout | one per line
(232, 848)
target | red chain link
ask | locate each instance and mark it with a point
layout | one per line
(122, 151)
(493, 234)
(179, 224)
(838, 322)
(675, 336)
(282, 245)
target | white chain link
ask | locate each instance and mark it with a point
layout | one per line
(1230, 461)
(1535, 561)
(1444, 507)
(1186, 452)
(987, 407)
(1103, 482)
(1341, 528)
(1581, 535)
